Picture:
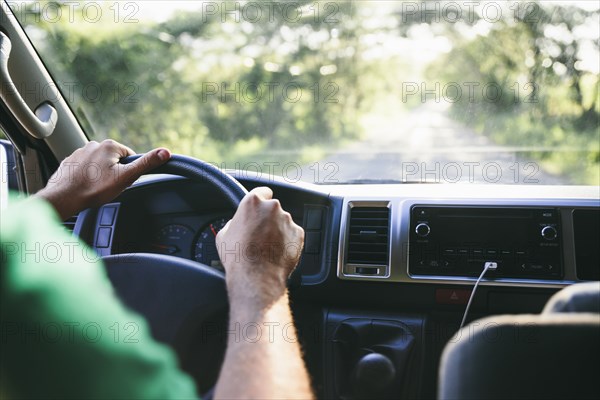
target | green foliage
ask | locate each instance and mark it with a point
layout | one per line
(547, 100)
(200, 86)
(294, 89)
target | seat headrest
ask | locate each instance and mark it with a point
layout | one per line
(553, 356)
(581, 297)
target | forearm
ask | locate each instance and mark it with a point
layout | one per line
(263, 362)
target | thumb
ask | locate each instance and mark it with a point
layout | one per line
(146, 163)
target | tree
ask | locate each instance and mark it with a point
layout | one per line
(199, 80)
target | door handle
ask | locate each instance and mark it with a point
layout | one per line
(40, 124)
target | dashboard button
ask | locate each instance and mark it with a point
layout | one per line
(537, 267)
(314, 218)
(103, 237)
(477, 253)
(452, 296)
(107, 217)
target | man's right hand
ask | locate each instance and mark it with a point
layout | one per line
(259, 248)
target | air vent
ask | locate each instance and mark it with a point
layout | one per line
(368, 236)
(70, 223)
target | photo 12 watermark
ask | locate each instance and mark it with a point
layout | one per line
(453, 12)
(288, 171)
(68, 332)
(248, 332)
(90, 12)
(471, 92)
(470, 172)
(271, 92)
(268, 12)
(93, 93)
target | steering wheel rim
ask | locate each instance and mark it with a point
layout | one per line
(184, 302)
(195, 169)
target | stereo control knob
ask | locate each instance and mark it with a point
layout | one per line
(422, 229)
(549, 233)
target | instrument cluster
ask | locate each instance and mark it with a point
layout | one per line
(191, 238)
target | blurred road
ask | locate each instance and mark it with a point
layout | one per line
(425, 145)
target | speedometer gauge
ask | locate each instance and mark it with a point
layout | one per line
(205, 249)
(173, 240)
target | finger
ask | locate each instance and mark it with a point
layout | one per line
(263, 192)
(146, 163)
(130, 152)
(120, 149)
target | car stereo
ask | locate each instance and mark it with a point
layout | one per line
(459, 240)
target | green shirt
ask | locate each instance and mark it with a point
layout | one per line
(63, 333)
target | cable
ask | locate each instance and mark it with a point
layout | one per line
(488, 266)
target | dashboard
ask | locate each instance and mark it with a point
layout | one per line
(400, 259)
(442, 234)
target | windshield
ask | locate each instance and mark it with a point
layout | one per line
(337, 91)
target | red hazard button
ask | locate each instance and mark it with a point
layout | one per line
(452, 296)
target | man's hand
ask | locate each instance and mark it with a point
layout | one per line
(259, 248)
(92, 176)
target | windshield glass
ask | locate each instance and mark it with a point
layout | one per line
(337, 91)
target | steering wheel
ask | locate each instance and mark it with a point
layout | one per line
(184, 302)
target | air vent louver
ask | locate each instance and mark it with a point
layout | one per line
(368, 234)
(70, 223)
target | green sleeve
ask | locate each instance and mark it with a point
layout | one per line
(63, 333)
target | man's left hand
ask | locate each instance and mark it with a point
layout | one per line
(93, 176)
